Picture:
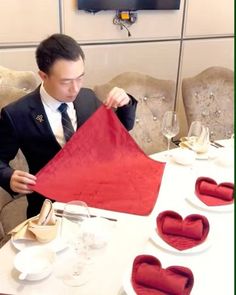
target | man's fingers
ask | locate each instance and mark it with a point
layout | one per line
(20, 180)
(19, 173)
(117, 98)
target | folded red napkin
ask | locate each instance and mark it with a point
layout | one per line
(182, 233)
(187, 228)
(103, 166)
(213, 194)
(148, 277)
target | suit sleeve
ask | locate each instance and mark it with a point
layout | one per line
(126, 114)
(8, 149)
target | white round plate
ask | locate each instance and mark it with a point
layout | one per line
(194, 201)
(157, 240)
(56, 245)
(184, 156)
(211, 154)
(127, 286)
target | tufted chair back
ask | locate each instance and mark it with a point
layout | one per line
(13, 85)
(208, 97)
(24, 80)
(154, 97)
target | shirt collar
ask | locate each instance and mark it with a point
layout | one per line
(51, 102)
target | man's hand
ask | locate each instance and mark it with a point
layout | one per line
(20, 180)
(116, 98)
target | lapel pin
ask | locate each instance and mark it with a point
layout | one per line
(40, 118)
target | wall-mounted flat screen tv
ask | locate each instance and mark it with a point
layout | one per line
(124, 5)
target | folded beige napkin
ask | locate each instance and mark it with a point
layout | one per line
(42, 227)
(198, 144)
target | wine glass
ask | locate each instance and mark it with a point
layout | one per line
(73, 232)
(170, 126)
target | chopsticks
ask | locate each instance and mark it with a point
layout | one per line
(216, 144)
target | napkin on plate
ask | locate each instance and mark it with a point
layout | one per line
(199, 144)
(180, 233)
(213, 194)
(148, 275)
(190, 228)
(42, 227)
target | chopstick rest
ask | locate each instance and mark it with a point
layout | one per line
(180, 233)
(213, 194)
(148, 276)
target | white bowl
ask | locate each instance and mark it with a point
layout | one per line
(184, 156)
(35, 263)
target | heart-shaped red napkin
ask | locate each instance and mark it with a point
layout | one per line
(213, 194)
(182, 233)
(149, 278)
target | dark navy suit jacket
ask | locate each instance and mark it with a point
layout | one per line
(24, 125)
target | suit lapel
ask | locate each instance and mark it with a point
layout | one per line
(39, 117)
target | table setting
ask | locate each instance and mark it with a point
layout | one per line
(142, 233)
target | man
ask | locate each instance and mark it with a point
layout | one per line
(34, 122)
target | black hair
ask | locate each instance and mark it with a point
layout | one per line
(55, 47)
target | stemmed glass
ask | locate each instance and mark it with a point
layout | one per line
(73, 231)
(170, 126)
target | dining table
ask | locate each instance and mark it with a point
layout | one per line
(130, 235)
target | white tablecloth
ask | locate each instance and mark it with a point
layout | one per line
(213, 268)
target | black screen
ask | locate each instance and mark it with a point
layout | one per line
(96, 5)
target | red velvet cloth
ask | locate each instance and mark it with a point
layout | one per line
(182, 233)
(103, 166)
(213, 194)
(148, 277)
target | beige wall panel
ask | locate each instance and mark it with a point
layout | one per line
(28, 20)
(97, 27)
(158, 59)
(199, 55)
(209, 17)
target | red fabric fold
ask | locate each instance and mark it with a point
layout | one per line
(190, 229)
(213, 194)
(180, 233)
(103, 166)
(148, 277)
(221, 192)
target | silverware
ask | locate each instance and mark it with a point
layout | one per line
(59, 213)
(216, 144)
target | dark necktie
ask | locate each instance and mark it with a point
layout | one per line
(66, 122)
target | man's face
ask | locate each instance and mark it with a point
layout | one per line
(64, 80)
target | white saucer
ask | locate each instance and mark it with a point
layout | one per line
(162, 244)
(194, 201)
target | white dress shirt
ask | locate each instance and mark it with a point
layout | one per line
(54, 116)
